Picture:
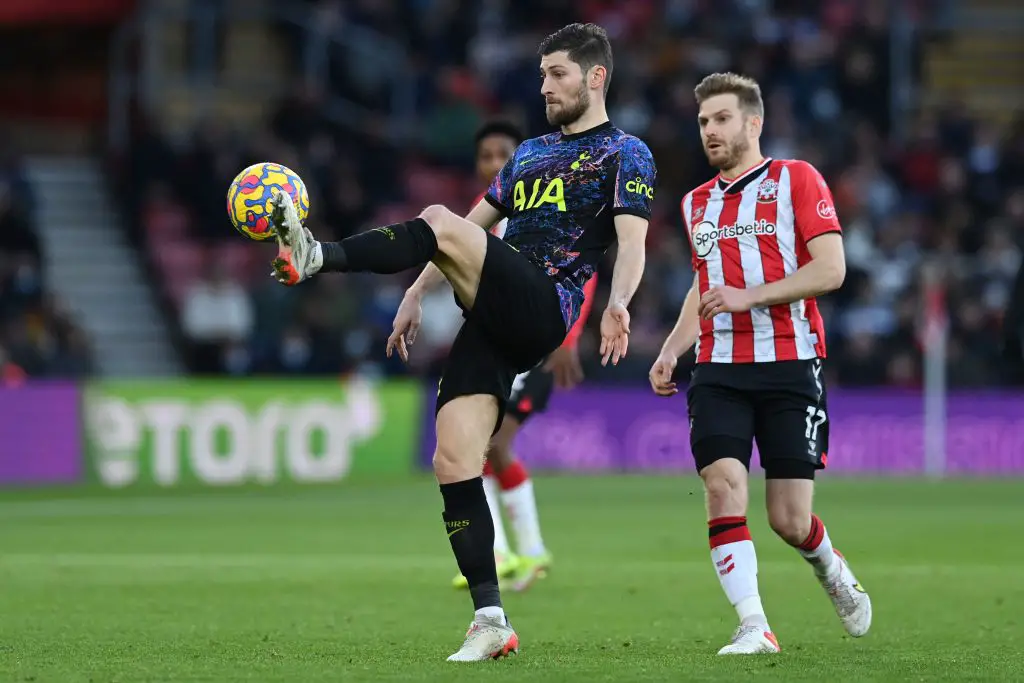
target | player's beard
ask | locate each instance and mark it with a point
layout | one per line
(569, 113)
(735, 149)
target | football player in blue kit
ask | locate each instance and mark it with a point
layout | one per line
(567, 196)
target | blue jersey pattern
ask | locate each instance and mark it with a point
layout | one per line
(561, 194)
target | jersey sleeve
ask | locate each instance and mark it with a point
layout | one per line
(581, 322)
(634, 180)
(499, 194)
(814, 210)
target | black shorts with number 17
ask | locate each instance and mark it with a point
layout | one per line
(782, 406)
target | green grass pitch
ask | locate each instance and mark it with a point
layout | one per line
(351, 583)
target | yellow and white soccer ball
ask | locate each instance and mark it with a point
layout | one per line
(252, 190)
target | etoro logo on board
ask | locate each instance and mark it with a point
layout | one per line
(225, 441)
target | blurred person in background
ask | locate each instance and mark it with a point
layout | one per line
(11, 374)
(217, 316)
(17, 234)
(39, 336)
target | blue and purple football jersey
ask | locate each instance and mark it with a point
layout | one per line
(561, 193)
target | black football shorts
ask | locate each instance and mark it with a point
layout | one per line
(531, 392)
(515, 322)
(782, 406)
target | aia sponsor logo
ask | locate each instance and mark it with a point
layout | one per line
(706, 234)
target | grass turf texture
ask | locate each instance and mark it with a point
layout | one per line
(352, 584)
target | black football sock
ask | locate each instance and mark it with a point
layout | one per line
(471, 533)
(386, 250)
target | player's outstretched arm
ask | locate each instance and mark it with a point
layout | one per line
(630, 259)
(824, 273)
(631, 232)
(678, 342)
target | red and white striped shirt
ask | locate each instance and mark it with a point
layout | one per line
(750, 231)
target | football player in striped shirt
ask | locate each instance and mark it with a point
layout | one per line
(765, 242)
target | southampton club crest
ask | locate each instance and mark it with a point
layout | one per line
(768, 191)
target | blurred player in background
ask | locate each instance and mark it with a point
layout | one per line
(568, 196)
(765, 241)
(506, 480)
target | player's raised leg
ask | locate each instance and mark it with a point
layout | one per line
(732, 548)
(790, 516)
(455, 245)
(464, 426)
(517, 497)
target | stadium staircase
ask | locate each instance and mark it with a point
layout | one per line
(981, 63)
(93, 270)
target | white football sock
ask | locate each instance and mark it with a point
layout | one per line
(491, 613)
(521, 507)
(735, 562)
(492, 490)
(817, 549)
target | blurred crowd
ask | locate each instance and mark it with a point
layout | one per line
(38, 337)
(951, 194)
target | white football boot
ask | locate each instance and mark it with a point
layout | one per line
(852, 603)
(487, 638)
(298, 255)
(752, 639)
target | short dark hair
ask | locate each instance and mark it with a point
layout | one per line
(746, 90)
(506, 128)
(586, 44)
